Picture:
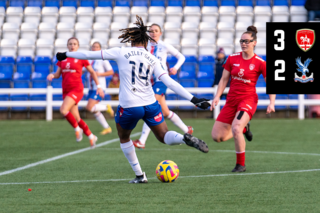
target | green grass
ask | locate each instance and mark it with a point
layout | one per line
(25, 142)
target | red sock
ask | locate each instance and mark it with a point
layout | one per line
(241, 157)
(244, 130)
(71, 119)
(84, 127)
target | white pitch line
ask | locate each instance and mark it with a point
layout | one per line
(248, 151)
(62, 156)
(197, 176)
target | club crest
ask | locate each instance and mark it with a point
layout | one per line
(251, 66)
(303, 68)
(241, 73)
(305, 39)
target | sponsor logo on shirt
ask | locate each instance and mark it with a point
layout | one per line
(158, 118)
(241, 73)
(251, 66)
(68, 65)
(236, 65)
(249, 106)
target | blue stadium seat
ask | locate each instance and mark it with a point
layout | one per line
(205, 95)
(189, 67)
(35, 3)
(205, 82)
(24, 64)
(158, 3)
(191, 58)
(114, 66)
(7, 65)
(70, 3)
(3, 3)
(87, 3)
(298, 2)
(205, 75)
(84, 80)
(206, 66)
(261, 83)
(5, 84)
(105, 3)
(42, 64)
(52, 3)
(171, 59)
(22, 97)
(245, 3)
(262, 97)
(281, 97)
(210, 3)
(54, 64)
(193, 3)
(123, 3)
(187, 83)
(16, 3)
(56, 83)
(5, 76)
(172, 97)
(187, 75)
(39, 80)
(140, 3)
(38, 76)
(108, 79)
(174, 77)
(21, 76)
(280, 3)
(263, 2)
(261, 77)
(107, 97)
(293, 97)
(4, 98)
(175, 3)
(37, 97)
(206, 58)
(228, 3)
(57, 97)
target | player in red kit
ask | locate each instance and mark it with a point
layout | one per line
(233, 121)
(72, 88)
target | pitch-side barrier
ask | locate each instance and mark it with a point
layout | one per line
(49, 103)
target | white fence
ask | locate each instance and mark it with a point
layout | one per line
(49, 103)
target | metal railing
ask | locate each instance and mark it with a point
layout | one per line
(301, 102)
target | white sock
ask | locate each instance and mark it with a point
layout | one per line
(130, 152)
(145, 133)
(175, 119)
(91, 136)
(101, 119)
(98, 108)
(173, 138)
(77, 128)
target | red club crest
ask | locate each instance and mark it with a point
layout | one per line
(305, 39)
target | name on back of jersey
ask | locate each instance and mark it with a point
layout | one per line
(138, 53)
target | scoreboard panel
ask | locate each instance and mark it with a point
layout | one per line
(293, 58)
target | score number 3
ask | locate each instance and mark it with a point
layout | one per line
(279, 62)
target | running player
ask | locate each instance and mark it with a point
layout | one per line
(160, 50)
(137, 100)
(72, 89)
(244, 68)
(103, 69)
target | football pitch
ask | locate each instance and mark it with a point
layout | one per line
(283, 170)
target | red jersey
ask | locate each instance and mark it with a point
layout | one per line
(244, 74)
(71, 70)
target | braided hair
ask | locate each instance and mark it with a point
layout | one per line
(136, 35)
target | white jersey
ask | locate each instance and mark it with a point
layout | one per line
(160, 50)
(136, 65)
(100, 67)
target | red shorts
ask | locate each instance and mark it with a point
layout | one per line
(232, 106)
(76, 95)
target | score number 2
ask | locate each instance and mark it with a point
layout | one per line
(279, 62)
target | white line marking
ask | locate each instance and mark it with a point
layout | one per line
(62, 156)
(197, 176)
(248, 151)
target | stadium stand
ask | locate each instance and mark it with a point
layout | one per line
(33, 31)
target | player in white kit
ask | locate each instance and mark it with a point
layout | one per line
(161, 50)
(136, 97)
(102, 69)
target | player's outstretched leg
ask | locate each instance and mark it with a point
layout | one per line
(130, 153)
(247, 132)
(141, 143)
(174, 138)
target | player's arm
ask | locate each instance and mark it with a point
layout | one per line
(57, 74)
(110, 54)
(221, 87)
(178, 89)
(107, 68)
(95, 78)
(173, 51)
